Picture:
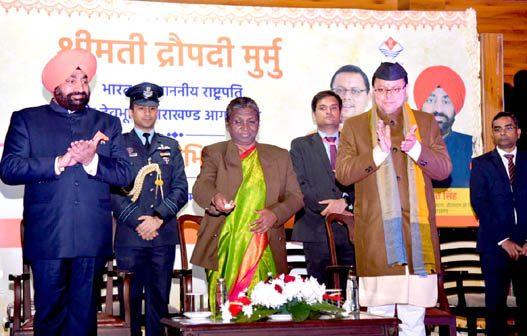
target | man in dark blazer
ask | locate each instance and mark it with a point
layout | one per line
(314, 158)
(67, 155)
(147, 228)
(498, 193)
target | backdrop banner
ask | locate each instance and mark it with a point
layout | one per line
(205, 55)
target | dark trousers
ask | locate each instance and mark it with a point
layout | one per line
(152, 277)
(317, 256)
(65, 296)
(498, 272)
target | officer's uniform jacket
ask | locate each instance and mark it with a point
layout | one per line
(165, 152)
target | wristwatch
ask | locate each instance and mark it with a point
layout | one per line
(349, 201)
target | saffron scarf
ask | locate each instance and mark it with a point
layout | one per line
(244, 258)
(423, 258)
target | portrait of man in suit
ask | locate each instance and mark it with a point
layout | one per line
(498, 194)
(353, 87)
(314, 157)
(440, 91)
(67, 155)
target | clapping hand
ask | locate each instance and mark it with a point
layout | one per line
(384, 136)
(66, 160)
(83, 151)
(409, 140)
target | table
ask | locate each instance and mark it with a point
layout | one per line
(356, 324)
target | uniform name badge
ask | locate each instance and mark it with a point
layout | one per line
(131, 152)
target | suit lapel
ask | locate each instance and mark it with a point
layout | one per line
(519, 166)
(319, 150)
(498, 163)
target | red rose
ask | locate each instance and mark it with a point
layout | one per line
(235, 308)
(289, 278)
(244, 300)
(278, 288)
(332, 297)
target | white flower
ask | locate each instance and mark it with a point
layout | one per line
(293, 289)
(226, 315)
(247, 310)
(312, 291)
(266, 295)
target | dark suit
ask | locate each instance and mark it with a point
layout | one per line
(317, 182)
(68, 224)
(494, 203)
(150, 261)
(221, 171)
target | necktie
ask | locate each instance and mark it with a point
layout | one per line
(147, 141)
(332, 150)
(512, 168)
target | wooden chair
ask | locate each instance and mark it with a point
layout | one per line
(296, 260)
(441, 315)
(434, 316)
(464, 284)
(20, 322)
(184, 275)
(334, 268)
(108, 323)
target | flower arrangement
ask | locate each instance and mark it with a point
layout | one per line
(303, 298)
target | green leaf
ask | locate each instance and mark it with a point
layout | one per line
(258, 314)
(300, 311)
(326, 307)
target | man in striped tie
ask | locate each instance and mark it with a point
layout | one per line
(498, 193)
(314, 157)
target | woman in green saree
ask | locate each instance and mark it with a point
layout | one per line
(248, 190)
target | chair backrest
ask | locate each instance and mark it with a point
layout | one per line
(188, 226)
(107, 322)
(461, 265)
(114, 292)
(26, 284)
(334, 267)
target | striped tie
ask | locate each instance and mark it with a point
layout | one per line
(511, 166)
(332, 150)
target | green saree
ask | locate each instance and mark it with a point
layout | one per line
(244, 258)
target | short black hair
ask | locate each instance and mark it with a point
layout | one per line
(505, 114)
(405, 80)
(323, 94)
(240, 103)
(353, 69)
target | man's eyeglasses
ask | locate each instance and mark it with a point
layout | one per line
(354, 91)
(384, 91)
(507, 128)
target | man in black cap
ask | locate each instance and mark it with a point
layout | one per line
(391, 153)
(147, 230)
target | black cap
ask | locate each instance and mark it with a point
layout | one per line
(390, 72)
(146, 94)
